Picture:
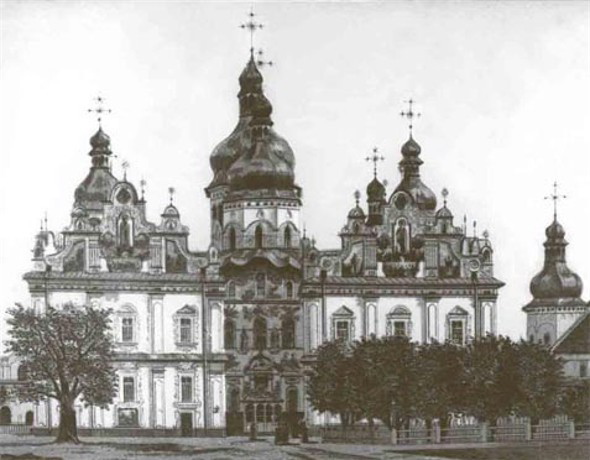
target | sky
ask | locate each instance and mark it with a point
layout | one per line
(503, 89)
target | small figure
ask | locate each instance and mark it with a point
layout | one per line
(304, 432)
(253, 431)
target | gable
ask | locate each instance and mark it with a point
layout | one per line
(577, 338)
(343, 311)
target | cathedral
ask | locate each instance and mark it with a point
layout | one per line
(218, 340)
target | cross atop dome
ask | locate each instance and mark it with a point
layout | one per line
(555, 197)
(171, 191)
(251, 26)
(410, 114)
(99, 109)
(375, 158)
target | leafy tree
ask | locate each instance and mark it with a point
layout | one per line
(330, 387)
(67, 353)
(575, 401)
(491, 378)
(540, 380)
(441, 381)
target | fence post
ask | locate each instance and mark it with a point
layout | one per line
(484, 432)
(528, 432)
(437, 434)
(393, 436)
(571, 429)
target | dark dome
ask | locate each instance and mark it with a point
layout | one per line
(356, 213)
(556, 280)
(555, 231)
(100, 141)
(268, 163)
(411, 147)
(375, 190)
(444, 213)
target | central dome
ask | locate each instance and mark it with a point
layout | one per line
(253, 156)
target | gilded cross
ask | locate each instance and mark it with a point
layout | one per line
(410, 114)
(357, 196)
(375, 158)
(142, 183)
(99, 109)
(445, 194)
(555, 197)
(251, 26)
(171, 191)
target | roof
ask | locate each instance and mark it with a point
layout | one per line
(407, 281)
(576, 339)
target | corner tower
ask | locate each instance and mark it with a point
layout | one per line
(556, 290)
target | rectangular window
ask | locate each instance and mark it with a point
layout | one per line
(186, 389)
(127, 330)
(128, 389)
(343, 330)
(457, 332)
(583, 369)
(186, 335)
(128, 417)
(399, 328)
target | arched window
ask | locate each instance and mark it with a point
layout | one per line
(289, 289)
(125, 232)
(229, 334)
(231, 290)
(487, 256)
(220, 214)
(232, 239)
(287, 237)
(402, 237)
(22, 373)
(29, 417)
(260, 413)
(258, 237)
(260, 333)
(260, 285)
(288, 333)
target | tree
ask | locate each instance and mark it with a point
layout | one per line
(540, 381)
(330, 387)
(441, 381)
(575, 401)
(491, 378)
(67, 354)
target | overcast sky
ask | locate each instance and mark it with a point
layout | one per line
(503, 88)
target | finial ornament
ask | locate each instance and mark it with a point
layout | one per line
(260, 62)
(142, 183)
(99, 109)
(410, 114)
(171, 191)
(555, 197)
(375, 158)
(251, 26)
(357, 196)
(445, 194)
(474, 229)
(125, 166)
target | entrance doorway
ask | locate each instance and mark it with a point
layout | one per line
(5, 416)
(29, 417)
(186, 423)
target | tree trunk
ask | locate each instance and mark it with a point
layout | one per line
(67, 424)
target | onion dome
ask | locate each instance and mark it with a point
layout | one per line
(556, 280)
(253, 156)
(375, 190)
(444, 212)
(170, 211)
(96, 188)
(422, 196)
(356, 212)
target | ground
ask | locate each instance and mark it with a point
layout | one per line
(29, 447)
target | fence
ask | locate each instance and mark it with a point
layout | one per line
(15, 428)
(523, 431)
